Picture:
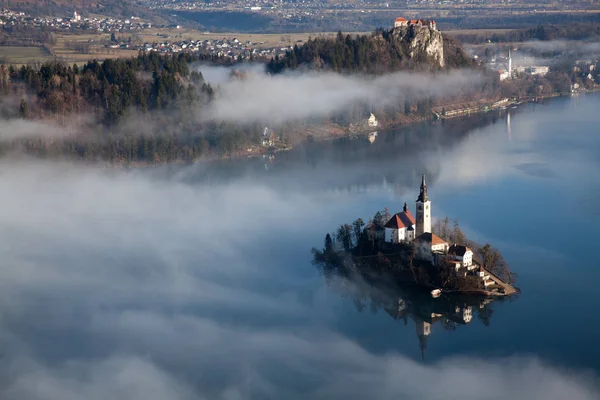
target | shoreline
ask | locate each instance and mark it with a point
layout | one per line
(330, 131)
(483, 106)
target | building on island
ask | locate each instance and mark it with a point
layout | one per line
(404, 228)
(430, 247)
(423, 223)
(461, 256)
(401, 227)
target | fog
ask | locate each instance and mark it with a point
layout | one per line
(129, 285)
(590, 49)
(299, 96)
(152, 283)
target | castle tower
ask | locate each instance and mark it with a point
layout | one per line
(509, 64)
(423, 220)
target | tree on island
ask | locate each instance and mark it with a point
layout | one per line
(360, 249)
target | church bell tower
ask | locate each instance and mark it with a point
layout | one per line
(423, 220)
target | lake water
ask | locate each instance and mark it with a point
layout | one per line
(196, 282)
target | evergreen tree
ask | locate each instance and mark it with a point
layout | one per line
(23, 109)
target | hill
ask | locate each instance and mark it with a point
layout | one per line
(402, 48)
(124, 8)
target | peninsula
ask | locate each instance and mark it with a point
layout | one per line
(413, 250)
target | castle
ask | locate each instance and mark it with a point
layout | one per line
(400, 22)
(403, 227)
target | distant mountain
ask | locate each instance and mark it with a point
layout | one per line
(120, 8)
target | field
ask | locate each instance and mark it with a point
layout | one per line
(259, 40)
(23, 55)
(80, 48)
(83, 47)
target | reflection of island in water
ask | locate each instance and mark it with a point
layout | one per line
(449, 311)
(406, 303)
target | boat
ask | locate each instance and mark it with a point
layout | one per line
(436, 293)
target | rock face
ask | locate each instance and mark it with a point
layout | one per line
(421, 43)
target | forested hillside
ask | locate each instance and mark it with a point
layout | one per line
(109, 89)
(380, 52)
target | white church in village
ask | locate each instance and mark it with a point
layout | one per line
(403, 227)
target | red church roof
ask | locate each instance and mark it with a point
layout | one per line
(401, 220)
(432, 238)
(400, 19)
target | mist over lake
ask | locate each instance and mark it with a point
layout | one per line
(196, 281)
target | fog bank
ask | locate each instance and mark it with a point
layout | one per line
(126, 285)
(297, 96)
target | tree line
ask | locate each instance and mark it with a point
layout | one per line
(109, 89)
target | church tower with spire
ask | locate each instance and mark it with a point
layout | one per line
(423, 220)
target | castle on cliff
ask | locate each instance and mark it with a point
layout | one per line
(400, 22)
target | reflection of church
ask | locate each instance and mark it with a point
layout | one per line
(426, 312)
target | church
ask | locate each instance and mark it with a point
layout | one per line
(403, 227)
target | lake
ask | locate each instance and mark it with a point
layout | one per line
(197, 282)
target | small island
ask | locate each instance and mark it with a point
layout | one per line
(405, 250)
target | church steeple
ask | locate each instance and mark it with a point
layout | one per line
(423, 194)
(423, 220)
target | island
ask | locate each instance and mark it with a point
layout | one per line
(415, 252)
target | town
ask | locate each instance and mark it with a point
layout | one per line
(224, 48)
(73, 22)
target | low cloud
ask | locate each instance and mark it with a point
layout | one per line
(131, 285)
(11, 129)
(571, 46)
(297, 96)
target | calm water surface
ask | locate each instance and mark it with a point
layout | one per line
(197, 281)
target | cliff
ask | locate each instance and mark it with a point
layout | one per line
(402, 48)
(421, 43)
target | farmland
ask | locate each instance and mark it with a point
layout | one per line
(23, 55)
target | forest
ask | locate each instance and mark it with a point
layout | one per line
(377, 53)
(111, 88)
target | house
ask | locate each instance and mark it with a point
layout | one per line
(401, 227)
(400, 22)
(372, 121)
(461, 256)
(429, 247)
